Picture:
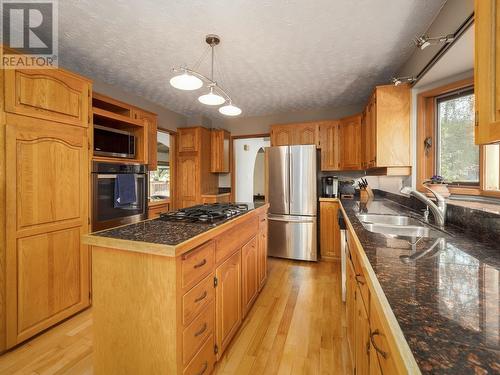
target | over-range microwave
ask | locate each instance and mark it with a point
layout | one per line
(113, 142)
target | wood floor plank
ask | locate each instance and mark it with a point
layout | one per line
(296, 326)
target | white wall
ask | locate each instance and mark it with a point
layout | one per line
(244, 161)
(259, 174)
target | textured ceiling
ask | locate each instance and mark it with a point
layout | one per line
(275, 56)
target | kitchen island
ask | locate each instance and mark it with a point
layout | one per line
(169, 296)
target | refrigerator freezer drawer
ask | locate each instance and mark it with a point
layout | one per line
(294, 238)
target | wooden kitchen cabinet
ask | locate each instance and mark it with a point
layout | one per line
(351, 309)
(155, 209)
(362, 338)
(295, 134)
(228, 301)
(386, 134)
(329, 140)
(281, 135)
(220, 148)
(250, 273)
(47, 204)
(329, 231)
(262, 251)
(350, 136)
(151, 124)
(194, 178)
(487, 71)
(49, 94)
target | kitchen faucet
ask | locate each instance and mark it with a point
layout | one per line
(439, 210)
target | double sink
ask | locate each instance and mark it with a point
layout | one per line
(398, 225)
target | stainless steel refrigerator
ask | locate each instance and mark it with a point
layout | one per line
(292, 194)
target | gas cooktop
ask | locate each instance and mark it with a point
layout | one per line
(206, 213)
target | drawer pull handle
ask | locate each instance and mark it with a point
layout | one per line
(202, 297)
(381, 352)
(358, 280)
(203, 369)
(201, 264)
(203, 329)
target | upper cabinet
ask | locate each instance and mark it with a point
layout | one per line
(220, 146)
(487, 71)
(350, 141)
(330, 145)
(189, 139)
(151, 124)
(51, 94)
(295, 134)
(388, 127)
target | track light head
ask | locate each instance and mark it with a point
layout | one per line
(425, 41)
(396, 81)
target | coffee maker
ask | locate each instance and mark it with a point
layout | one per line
(330, 187)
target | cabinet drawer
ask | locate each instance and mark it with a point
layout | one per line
(358, 270)
(204, 361)
(197, 298)
(233, 239)
(197, 332)
(197, 264)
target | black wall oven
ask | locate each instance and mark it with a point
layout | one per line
(105, 214)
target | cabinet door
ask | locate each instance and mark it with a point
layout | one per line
(48, 94)
(364, 141)
(262, 252)
(250, 274)
(330, 146)
(329, 230)
(487, 71)
(351, 308)
(47, 269)
(151, 124)
(305, 134)
(362, 332)
(371, 134)
(281, 135)
(188, 183)
(350, 133)
(228, 301)
(220, 146)
(188, 140)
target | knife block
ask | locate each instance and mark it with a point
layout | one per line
(366, 194)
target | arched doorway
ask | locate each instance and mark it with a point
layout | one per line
(259, 176)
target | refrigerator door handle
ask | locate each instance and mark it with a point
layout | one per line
(290, 176)
(292, 219)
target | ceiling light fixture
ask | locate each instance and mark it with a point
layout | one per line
(399, 80)
(190, 79)
(424, 41)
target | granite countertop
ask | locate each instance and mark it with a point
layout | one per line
(447, 301)
(157, 236)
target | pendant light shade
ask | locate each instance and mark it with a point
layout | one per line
(186, 81)
(230, 110)
(211, 98)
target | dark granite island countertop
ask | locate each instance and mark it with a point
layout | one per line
(446, 302)
(167, 238)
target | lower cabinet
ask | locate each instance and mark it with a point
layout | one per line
(250, 281)
(372, 345)
(329, 232)
(228, 301)
(262, 251)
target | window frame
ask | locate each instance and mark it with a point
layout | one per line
(427, 127)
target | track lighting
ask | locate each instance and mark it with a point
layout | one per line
(399, 80)
(190, 79)
(424, 41)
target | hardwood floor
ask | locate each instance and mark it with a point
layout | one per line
(296, 326)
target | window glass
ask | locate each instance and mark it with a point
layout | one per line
(457, 156)
(159, 180)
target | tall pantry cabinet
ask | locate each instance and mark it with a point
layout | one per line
(44, 199)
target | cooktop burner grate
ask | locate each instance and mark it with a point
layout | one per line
(207, 213)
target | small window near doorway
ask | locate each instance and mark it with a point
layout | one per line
(457, 157)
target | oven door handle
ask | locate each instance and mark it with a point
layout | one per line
(101, 176)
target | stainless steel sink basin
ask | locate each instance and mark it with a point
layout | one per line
(396, 225)
(388, 219)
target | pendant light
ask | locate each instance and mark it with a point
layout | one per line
(186, 81)
(230, 110)
(190, 79)
(211, 98)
